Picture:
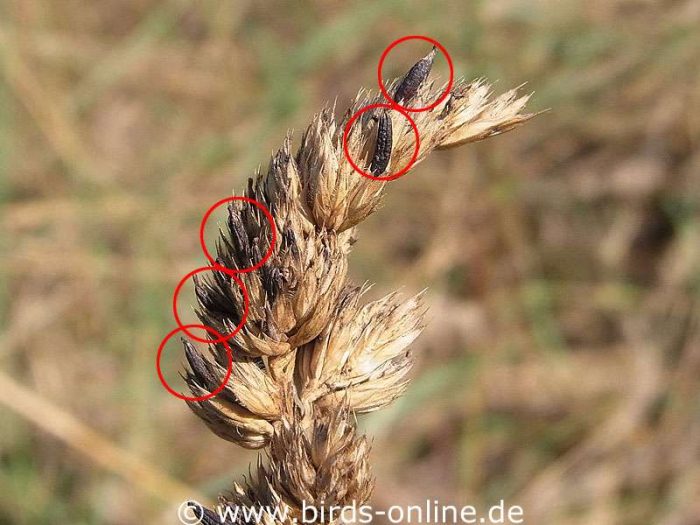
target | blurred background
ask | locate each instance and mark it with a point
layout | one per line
(561, 366)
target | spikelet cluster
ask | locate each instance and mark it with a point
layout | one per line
(312, 354)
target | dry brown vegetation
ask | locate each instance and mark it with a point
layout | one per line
(308, 354)
(560, 366)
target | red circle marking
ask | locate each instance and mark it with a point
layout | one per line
(268, 215)
(359, 170)
(246, 303)
(391, 46)
(229, 369)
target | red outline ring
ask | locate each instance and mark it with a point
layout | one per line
(391, 46)
(229, 370)
(246, 304)
(416, 149)
(270, 219)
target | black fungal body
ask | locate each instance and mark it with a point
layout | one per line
(273, 281)
(215, 298)
(411, 83)
(238, 233)
(382, 149)
(199, 366)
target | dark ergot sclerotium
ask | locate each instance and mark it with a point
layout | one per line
(410, 83)
(238, 233)
(382, 149)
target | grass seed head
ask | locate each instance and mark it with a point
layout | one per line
(310, 354)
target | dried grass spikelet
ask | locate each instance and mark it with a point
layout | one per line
(315, 458)
(473, 116)
(311, 355)
(292, 295)
(245, 410)
(362, 355)
(336, 197)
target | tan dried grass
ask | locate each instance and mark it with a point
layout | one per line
(311, 355)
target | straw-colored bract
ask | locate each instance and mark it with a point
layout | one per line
(311, 354)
